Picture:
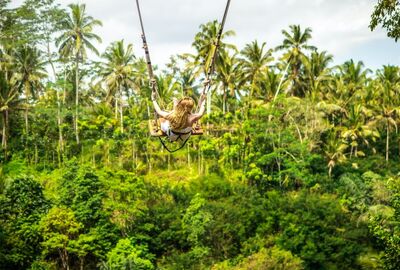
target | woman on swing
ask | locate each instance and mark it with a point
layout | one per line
(178, 123)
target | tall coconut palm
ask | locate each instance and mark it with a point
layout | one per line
(334, 149)
(141, 79)
(271, 84)
(358, 128)
(76, 37)
(29, 72)
(385, 104)
(389, 97)
(167, 87)
(228, 74)
(9, 95)
(8, 101)
(354, 76)
(254, 65)
(317, 73)
(387, 117)
(295, 43)
(389, 77)
(204, 44)
(118, 73)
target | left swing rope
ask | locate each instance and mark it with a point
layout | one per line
(153, 83)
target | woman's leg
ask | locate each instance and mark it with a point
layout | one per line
(164, 125)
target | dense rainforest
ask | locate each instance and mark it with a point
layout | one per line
(298, 167)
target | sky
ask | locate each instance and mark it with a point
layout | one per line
(338, 26)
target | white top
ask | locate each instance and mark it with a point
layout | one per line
(165, 127)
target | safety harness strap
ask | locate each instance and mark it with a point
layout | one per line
(172, 151)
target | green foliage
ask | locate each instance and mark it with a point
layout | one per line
(385, 226)
(196, 220)
(297, 168)
(268, 259)
(386, 14)
(126, 199)
(126, 255)
(277, 157)
(23, 205)
(313, 228)
(82, 191)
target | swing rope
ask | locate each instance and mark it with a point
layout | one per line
(153, 83)
(211, 68)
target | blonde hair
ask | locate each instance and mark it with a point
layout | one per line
(179, 117)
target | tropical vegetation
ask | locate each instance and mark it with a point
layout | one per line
(298, 167)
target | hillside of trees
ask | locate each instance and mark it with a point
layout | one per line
(298, 167)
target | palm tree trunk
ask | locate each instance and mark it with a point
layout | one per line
(36, 154)
(77, 98)
(351, 151)
(387, 141)
(122, 111)
(116, 108)
(224, 101)
(208, 106)
(59, 120)
(133, 155)
(59, 123)
(26, 117)
(281, 81)
(5, 131)
(65, 88)
(26, 120)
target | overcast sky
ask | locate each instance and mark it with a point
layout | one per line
(339, 26)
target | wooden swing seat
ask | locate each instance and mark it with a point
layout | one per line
(155, 129)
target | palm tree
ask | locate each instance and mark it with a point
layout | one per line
(270, 84)
(167, 87)
(204, 43)
(8, 101)
(9, 98)
(387, 117)
(254, 65)
(358, 128)
(118, 74)
(181, 68)
(29, 71)
(385, 104)
(76, 37)
(389, 78)
(295, 43)
(228, 74)
(334, 150)
(354, 76)
(317, 73)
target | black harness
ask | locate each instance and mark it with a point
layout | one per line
(180, 134)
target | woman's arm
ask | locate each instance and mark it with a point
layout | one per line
(157, 108)
(197, 116)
